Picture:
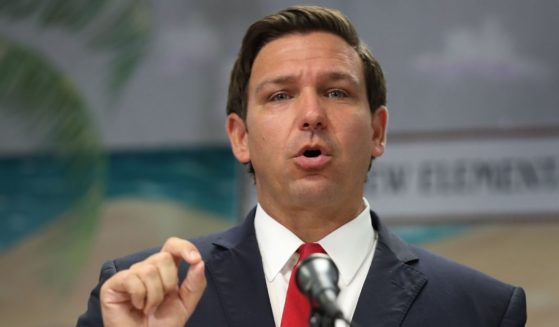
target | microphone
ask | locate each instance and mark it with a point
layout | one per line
(317, 278)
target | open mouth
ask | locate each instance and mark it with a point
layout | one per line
(313, 158)
(312, 153)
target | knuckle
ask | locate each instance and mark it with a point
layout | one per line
(176, 242)
(155, 259)
(137, 291)
(151, 271)
(155, 297)
(163, 258)
(134, 286)
(172, 240)
(146, 270)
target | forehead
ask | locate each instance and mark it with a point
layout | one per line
(306, 54)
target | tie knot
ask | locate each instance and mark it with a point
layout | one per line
(307, 249)
(297, 308)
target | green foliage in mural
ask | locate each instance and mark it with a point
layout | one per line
(47, 101)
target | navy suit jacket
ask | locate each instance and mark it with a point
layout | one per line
(405, 286)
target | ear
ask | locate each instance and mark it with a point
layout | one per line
(379, 123)
(237, 133)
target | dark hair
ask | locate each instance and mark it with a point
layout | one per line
(300, 19)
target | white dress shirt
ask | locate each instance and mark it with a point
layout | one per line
(351, 247)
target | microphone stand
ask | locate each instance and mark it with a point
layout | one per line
(317, 319)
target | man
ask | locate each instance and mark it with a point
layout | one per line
(307, 113)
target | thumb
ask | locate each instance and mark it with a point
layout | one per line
(193, 287)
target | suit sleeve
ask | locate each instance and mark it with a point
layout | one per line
(92, 317)
(515, 315)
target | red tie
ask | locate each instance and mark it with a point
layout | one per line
(297, 309)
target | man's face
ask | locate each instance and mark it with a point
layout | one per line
(309, 132)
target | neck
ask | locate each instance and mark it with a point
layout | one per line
(314, 223)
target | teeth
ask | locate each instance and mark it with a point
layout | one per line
(312, 153)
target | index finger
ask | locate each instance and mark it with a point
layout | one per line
(182, 249)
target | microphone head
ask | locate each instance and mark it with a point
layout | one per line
(317, 277)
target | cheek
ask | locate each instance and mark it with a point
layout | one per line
(359, 138)
(267, 129)
(357, 125)
(262, 141)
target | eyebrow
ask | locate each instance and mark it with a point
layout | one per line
(342, 76)
(279, 80)
(329, 76)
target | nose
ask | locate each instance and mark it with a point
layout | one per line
(313, 114)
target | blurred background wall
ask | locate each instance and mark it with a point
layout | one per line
(112, 138)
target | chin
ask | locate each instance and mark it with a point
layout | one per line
(314, 193)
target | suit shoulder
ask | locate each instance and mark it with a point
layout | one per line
(454, 292)
(203, 243)
(449, 273)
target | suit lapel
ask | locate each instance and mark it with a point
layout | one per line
(390, 288)
(392, 283)
(236, 269)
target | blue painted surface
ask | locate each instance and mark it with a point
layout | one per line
(32, 193)
(34, 190)
(203, 178)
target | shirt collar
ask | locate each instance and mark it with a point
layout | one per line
(348, 246)
(276, 243)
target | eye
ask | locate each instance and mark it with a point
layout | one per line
(336, 93)
(280, 96)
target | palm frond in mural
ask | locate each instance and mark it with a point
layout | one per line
(37, 93)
